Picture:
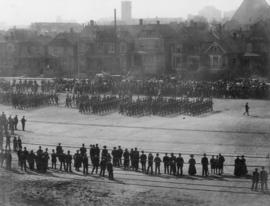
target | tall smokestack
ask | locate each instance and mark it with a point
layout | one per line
(115, 17)
(115, 31)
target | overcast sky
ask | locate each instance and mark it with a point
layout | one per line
(22, 12)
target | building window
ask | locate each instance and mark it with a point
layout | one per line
(177, 61)
(215, 60)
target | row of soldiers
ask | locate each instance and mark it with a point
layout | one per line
(102, 159)
(25, 86)
(172, 165)
(28, 100)
(165, 106)
(80, 159)
(97, 104)
(143, 106)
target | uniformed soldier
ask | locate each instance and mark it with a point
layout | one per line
(2, 158)
(85, 164)
(264, 179)
(179, 164)
(110, 170)
(1, 140)
(221, 161)
(19, 142)
(246, 109)
(132, 159)
(23, 121)
(15, 120)
(95, 164)
(120, 155)
(115, 156)
(53, 159)
(9, 122)
(216, 164)
(143, 158)
(255, 179)
(8, 158)
(126, 156)
(204, 163)
(46, 159)
(166, 162)
(59, 150)
(77, 160)
(173, 164)
(212, 164)
(8, 142)
(83, 150)
(150, 163)
(136, 157)
(43, 163)
(104, 153)
(69, 162)
(24, 156)
(91, 152)
(97, 151)
(15, 144)
(102, 167)
(157, 161)
(62, 158)
(31, 160)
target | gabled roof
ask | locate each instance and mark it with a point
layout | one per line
(215, 44)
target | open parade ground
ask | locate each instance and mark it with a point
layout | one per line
(224, 131)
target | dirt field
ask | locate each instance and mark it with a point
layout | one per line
(225, 131)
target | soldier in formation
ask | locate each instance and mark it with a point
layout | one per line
(28, 100)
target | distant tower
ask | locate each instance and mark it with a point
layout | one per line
(126, 11)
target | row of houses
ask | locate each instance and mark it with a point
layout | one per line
(191, 47)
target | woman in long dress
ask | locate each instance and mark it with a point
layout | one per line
(192, 168)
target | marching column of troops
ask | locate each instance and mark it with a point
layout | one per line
(97, 104)
(141, 106)
(28, 100)
(165, 106)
